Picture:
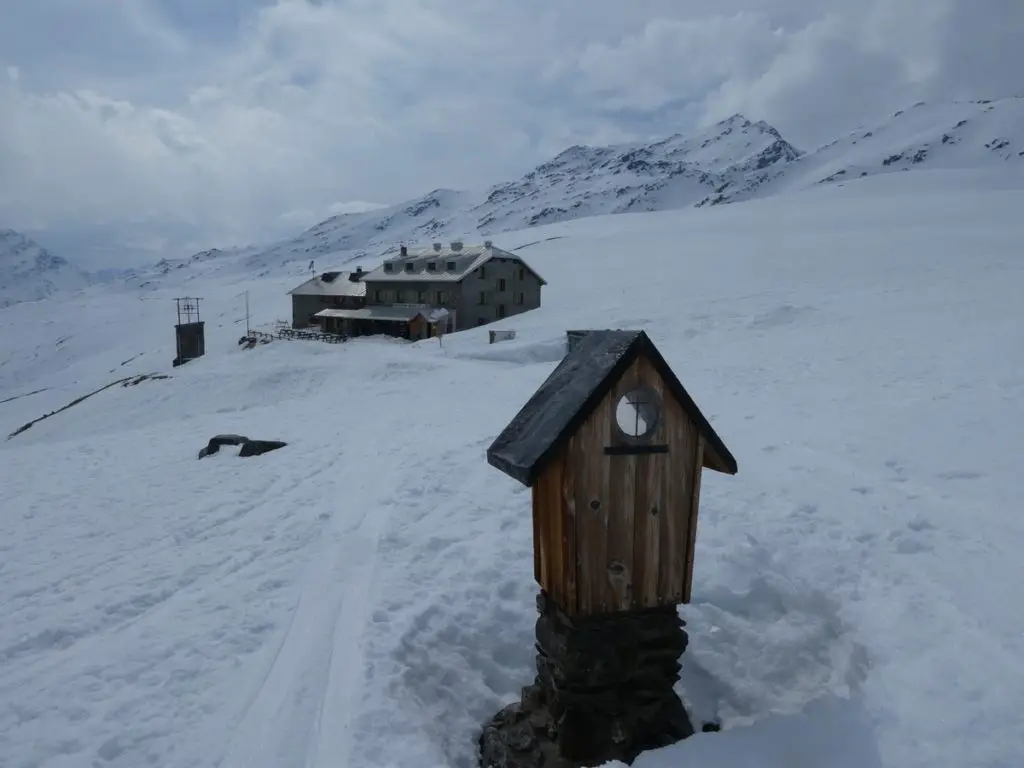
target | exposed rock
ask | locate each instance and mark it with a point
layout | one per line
(604, 691)
(218, 440)
(258, 447)
(133, 382)
(249, 447)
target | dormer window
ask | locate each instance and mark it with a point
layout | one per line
(387, 266)
(410, 267)
(431, 266)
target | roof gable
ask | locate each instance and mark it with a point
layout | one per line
(572, 391)
(332, 283)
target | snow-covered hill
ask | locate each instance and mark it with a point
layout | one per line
(364, 596)
(29, 272)
(951, 135)
(733, 160)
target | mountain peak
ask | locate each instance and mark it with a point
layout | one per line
(29, 272)
(734, 119)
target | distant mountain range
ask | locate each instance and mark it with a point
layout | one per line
(731, 161)
(29, 272)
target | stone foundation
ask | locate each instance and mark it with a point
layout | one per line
(603, 691)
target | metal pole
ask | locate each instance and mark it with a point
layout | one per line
(247, 313)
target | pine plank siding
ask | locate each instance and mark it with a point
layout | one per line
(614, 514)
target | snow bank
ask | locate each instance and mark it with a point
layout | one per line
(829, 733)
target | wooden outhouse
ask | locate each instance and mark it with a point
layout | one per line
(613, 447)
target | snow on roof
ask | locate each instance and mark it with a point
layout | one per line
(444, 265)
(400, 313)
(333, 283)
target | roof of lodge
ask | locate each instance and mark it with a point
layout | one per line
(333, 283)
(441, 265)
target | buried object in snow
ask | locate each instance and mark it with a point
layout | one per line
(249, 447)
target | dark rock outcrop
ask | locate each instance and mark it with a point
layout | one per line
(249, 447)
(218, 440)
(259, 447)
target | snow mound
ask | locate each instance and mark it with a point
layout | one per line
(831, 731)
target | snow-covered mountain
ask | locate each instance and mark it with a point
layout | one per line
(29, 272)
(670, 173)
(734, 160)
(731, 161)
(982, 134)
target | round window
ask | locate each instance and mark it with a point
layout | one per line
(637, 413)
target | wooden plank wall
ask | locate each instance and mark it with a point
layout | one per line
(668, 483)
(593, 501)
(632, 549)
(554, 536)
(691, 541)
(618, 532)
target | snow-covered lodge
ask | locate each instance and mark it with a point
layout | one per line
(420, 292)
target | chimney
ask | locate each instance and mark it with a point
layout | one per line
(456, 245)
(405, 251)
(488, 243)
(437, 246)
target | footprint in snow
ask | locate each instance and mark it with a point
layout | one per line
(913, 539)
(957, 474)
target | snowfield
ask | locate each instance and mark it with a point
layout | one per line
(364, 596)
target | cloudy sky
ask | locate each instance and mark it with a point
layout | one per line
(131, 129)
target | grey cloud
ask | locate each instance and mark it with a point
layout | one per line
(236, 124)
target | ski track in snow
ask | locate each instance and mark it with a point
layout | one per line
(365, 597)
(278, 726)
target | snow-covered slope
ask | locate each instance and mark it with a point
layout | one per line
(29, 272)
(731, 161)
(957, 135)
(364, 596)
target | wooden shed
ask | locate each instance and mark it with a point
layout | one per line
(613, 447)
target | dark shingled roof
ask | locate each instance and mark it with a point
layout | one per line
(567, 397)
